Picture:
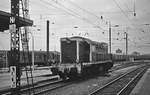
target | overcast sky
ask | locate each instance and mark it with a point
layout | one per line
(83, 18)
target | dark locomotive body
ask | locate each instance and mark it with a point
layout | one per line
(81, 56)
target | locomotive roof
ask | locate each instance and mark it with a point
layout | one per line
(84, 39)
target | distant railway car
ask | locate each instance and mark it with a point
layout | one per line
(81, 56)
(39, 58)
(144, 57)
(119, 57)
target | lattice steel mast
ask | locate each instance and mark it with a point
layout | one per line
(15, 47)
(15, 67)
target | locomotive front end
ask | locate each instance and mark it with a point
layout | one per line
(69, 66)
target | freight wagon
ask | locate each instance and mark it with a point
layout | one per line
(39, 58)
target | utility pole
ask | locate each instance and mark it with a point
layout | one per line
(47, 42)
(109, 37)
(126, 38)
(15, 70)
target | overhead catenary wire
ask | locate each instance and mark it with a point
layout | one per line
(88, 12)
(71, 12)
(70, 9)
(123, 11)
(77, 14)
(74, 14)
(125, 14)
(127, 6)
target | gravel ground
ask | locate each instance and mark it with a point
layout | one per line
(89, 85)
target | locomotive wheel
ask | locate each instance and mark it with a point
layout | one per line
(73, 73)
(101, 69)
(83, 72)
(62, 75)
(54, 71)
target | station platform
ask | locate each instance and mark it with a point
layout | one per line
(143, 86)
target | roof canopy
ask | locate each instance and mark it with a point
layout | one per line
(4, 21)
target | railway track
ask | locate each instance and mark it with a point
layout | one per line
(122, 85)
(47, 89)
(121, 66)
(27, 88)
(48, 86)
(39, 89)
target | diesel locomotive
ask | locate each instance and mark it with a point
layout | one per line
(81, 56)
